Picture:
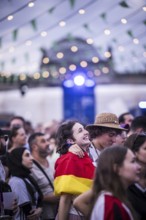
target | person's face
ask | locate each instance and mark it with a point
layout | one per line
(16, 122)
(141, 153)
(107, 139)
(128, 119)
(52, 143)
(81, 135)
(42, 146)
(121, 138)
(130, 170)
(27, 160)
(20, 138)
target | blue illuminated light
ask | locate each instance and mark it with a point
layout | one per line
(89, 83)
(79, 80)
(142, 104)
(68, 83)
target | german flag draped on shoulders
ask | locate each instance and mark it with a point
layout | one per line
(73, 175)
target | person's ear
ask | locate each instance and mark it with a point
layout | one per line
(136, 154)
(116, 168)
(34, 147)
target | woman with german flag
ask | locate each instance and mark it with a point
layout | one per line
(73, 175)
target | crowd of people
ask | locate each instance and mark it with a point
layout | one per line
(72, 171)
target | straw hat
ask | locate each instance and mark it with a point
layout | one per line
(108, 120)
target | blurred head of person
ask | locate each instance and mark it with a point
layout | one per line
(4, 135)
(71, 132)
(138, 125)
(126, 118)
(17, 121)
(137, 143)
(20, 162)
(39, 145)
(17, 138)
(120, 138)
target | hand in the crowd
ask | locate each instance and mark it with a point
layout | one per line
(35, 214)
(15, 206)
(75, 149)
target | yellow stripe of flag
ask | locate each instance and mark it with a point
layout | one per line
(71, 184)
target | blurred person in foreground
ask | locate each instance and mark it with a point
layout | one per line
(137, 191)
(126, 118)
(117, 169)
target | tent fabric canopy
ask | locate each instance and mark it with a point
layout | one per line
(118, 25)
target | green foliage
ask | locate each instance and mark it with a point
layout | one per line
(129, 32)
(15, 34)
(103, 16)
(72, 3)
(69, 37)
(42, 50)
(33, 24)
(86, 26)
(51, 10)
(124, 4)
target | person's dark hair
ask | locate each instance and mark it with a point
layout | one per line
(106, 177)
(135, 141)
(64, 132)
(13, 133)
(122, 117)
(139, 122)
(98, 131)
(18, 117)
(33, 137)
(15, 166)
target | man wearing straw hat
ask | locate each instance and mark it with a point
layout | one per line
(103, 133)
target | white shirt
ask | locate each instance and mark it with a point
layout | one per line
(94, 154)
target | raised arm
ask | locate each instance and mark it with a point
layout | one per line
(83, 203)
